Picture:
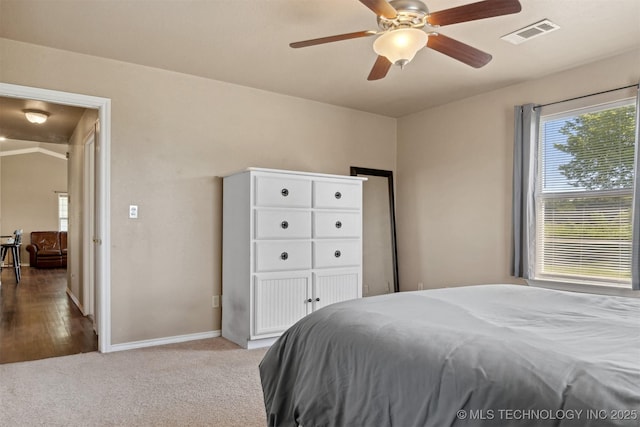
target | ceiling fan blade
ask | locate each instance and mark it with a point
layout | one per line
(473, 11)
(331, 39)
(380, 68)
(458, 50)
(381, 8)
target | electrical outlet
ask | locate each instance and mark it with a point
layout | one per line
(133, 211)
(215, 301)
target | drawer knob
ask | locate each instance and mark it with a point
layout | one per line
(284, 192)
(317, 299)
(337, 254)
(338, 195)
(309, 300)
(284, 225)
(338, 224)
(284, 256)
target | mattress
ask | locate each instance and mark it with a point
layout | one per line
(502, 355)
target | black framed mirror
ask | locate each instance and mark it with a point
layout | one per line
(379, 254)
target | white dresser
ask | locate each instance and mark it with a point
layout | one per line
(292, 243)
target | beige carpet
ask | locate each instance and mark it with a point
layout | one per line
(200, 383)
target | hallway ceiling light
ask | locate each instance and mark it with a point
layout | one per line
(36, 116)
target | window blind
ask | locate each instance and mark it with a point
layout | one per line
(63, 212)
(584, 194)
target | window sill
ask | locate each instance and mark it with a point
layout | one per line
(588, 289)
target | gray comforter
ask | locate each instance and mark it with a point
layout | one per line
(496, 355)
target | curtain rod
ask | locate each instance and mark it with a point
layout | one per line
(585, 96)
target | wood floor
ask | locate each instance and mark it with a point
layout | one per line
(38, 319)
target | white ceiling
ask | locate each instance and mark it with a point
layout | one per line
(246, 42)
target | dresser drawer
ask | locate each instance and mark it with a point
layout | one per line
(337, 195)
(283, 191)
(336, 224)
(279, 256)
(283, 225)
(337, 253)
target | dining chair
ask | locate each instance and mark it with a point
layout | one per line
(13, 246)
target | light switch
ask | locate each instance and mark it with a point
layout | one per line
(133, 211)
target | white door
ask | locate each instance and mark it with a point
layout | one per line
(1, 147)
(89, 229)
(333, 286)
(280, 301)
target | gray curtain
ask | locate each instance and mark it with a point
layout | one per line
(635, 254)
(527, 118)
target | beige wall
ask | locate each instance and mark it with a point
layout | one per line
(454, 176)
(173, 136)
(28, 191)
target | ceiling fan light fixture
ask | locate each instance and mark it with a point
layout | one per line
(401, 45)
(36, 116)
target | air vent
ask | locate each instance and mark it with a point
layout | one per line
(529, 32)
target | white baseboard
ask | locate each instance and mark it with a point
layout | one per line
(75, 301)
(163, 341)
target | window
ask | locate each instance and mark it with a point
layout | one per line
(63, 211)
(584, 193)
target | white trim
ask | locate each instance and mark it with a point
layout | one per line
(103, 105)
(262, 342)
(586, 289)
(33, 150)
(75, 301)
(574, 106)
(164, 341)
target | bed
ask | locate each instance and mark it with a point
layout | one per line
(501, 355)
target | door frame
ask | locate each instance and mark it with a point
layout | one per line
(102, 196)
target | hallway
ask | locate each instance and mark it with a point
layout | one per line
(38, 319)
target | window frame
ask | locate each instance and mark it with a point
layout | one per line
(63, 195)
(568, 283)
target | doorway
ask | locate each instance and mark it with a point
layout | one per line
(100, 239)
(39, 320)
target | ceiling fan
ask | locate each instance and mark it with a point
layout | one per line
(406, 26)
